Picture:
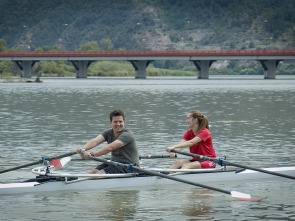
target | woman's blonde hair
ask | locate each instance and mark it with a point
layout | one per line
(202, 119)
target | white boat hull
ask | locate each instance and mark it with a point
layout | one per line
(137, 182)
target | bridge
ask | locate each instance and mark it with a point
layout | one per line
(140, 60)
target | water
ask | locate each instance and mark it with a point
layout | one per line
(251, 121)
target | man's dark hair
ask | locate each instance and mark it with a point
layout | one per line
(116, 113)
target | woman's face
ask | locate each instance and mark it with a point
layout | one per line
(191, 121)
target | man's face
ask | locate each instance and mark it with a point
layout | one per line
(117, 123)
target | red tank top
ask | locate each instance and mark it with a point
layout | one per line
(205, 147)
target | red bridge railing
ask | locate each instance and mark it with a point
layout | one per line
(285, 52)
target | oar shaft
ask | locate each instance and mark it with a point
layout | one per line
(263, 171)
(195, 155)
(37, 162)
(140, 157)
(225, 162)
(159, 174)
(19, 167)
(63, 155)
(154, 156)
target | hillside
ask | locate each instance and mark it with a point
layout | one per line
(148, 25)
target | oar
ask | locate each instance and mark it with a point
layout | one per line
(234, 194)
(38, 162)
(140, 157)
(227, 163)
(155, 156)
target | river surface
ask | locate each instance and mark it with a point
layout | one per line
(251, 122)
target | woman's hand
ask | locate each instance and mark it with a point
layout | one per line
(168, 149)
(173, 155)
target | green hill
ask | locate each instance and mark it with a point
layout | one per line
(149, 24)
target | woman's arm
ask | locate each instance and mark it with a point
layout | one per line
(184, 144)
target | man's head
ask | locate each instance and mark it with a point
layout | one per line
(116, 113)
(117, 121)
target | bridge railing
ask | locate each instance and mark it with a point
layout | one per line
(284, 52)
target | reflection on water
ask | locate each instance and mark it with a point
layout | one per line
(119, 205)
(251, 121)
(198, 205)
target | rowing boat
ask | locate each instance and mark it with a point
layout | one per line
(48, 180)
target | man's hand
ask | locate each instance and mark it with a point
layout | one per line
(83, 153)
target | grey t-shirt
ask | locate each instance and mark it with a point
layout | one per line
(129, 152)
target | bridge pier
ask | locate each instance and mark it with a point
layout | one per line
(140, 68)
(203, 68)
(81, 68)
(269, 67)
(26, 67)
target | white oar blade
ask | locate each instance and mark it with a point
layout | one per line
(58, 163)
(245, 196)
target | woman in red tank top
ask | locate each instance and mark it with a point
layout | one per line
(198, 140)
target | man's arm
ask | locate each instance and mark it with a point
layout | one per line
(92, 143)
(109, 148)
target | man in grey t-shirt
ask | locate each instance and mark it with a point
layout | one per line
(121, 144)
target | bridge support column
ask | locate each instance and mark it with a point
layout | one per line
(269, 67)
(203, 68)
(140, 68)
(26, 67)
(81, 68)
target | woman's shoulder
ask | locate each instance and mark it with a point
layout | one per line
(205, 130)
(189, 134)
(189, 131)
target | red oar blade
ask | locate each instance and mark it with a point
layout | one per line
(245, 196)
(58, 163)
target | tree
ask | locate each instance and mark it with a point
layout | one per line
(3, 46)
(106, 44)
(251, 45)
(89, 46)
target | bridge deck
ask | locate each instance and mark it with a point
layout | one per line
(151, 54)
(141, 59)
